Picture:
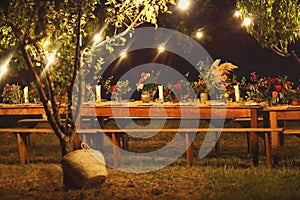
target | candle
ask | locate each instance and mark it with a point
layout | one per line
(161, 92)
(98, 93)
(236, 92)
(25, 91)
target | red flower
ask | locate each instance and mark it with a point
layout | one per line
(64, 92)
(43, 85)
(253, 73)
(177, 86)
(32, 91)
(165, 92)
(256, 87)
(275, 81)
(93, 87)
(278, 87)
(113, 88)
(274, 94)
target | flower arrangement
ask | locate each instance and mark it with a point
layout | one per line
(280, 89)
(12, 94)
(217, 78)
(148, 82)
(199, 86)
(121, 88)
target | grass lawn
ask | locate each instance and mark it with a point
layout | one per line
(226, 175)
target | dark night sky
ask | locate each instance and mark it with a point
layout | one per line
(225, 39)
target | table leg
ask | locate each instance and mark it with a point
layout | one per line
(189, 149)
(253, 137)
(274, 137)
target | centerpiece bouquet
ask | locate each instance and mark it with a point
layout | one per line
(277, 89)
(217, 79)
(148, 83)
(12, 94)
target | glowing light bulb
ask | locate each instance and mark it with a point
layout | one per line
(97, 38)
(183, 4)
(199, 34)
(237, 13)
(161, 48)
(3, 69)
(123, 54)
(50, 59)
(247, 21)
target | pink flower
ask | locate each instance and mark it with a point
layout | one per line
(177, 86)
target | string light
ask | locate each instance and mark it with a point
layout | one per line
(247, 21)
(97, 38)
(199, 34)
(237, 13)
(123, 54)
(161, 48)
(183, 4)
(50, 59)
(3, 68)
(4, 65)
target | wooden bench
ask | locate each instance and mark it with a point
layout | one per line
(189, 152)
(22, 135)
(286, 132)
(33, 123)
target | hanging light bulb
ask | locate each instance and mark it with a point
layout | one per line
(161, 48)
(183, 4)
(247, 21)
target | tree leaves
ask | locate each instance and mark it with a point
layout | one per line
(276, 23)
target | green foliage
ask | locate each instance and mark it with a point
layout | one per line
(12, 94)
(275, 23)
(65, 30)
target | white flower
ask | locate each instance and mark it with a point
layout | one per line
(140, 86)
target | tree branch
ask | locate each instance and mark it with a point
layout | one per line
(294, 54)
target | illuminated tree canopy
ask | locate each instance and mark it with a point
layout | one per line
(275, 23)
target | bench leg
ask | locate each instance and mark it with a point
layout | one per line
(125, 141)
(32, 140)
(281, 147)
(116, 149)
(254, 147)
(23, 148)
(268, 150)
(217, 145)
(189, 150)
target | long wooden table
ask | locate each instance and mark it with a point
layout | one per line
(275, 114)
(194, 111)
(138, 109)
